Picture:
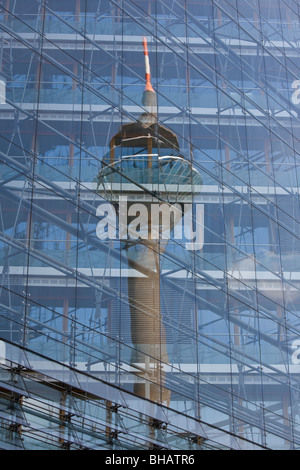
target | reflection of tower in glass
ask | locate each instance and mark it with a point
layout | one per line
(144, 166)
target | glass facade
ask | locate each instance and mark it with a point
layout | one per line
(149, 224)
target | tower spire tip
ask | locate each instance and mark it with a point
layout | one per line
(147, 67)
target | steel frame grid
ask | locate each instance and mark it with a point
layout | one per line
(69, 226)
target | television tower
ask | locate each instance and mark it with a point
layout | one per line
(144, 165)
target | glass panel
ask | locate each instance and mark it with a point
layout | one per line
(149, 224)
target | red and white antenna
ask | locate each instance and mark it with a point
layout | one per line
(147, 67)
(149, 95)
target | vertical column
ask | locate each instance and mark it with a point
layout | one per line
(77, 11)
(219, 17)
(66, 297)
(113, 77)
(71, 150)
(75, 72)
(6, 14)
(257, 27)
(236, 328)
(62, 417)
(267, 155)
(286, 421)
(149, 150)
